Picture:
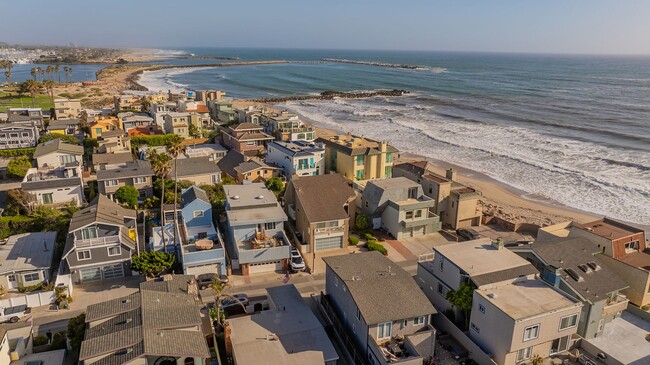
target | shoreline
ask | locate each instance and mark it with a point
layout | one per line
(498, 198)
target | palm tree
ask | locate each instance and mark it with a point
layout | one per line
(70, 72)
(8, 75)
(161, 165)
(49, 87)
(38, 70)
(33, 72)
(32, 87)
(49, 71)
(57, 69)
(65, 69)
(175, 147)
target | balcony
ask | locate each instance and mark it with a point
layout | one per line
(305, 167)
(100, 241)
(616, 305)
(329, 230)
(262, 248)
(408, 350)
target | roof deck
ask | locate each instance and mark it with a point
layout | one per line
(609, 228)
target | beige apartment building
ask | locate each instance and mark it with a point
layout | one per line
(457, 205)
(67, 108)
(358, 158)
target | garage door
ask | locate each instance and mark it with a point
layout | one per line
(90, 274)
(267, 267)
(465, 223)
(205, 269)
(113, 271)
(329, 243)
(417, 231)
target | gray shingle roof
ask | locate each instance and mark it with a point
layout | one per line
(194, 166)
(51, 183)
(567, 253)
(101, 210)
(109, 343)
(56, 145)
(134, 168)
(382, 290)
(112, 158)
(310, 190)
(192, 193)
(112, 307)
(503, 275)
(62, 123)
(175, 343)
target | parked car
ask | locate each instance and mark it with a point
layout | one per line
(204, 280)
(236, 300)
(13, 314)
(297, 264)
(294, 252)
(468, 233)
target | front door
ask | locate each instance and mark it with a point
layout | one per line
(11, 279)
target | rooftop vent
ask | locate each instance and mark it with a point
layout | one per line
(574, 275)
(492, 295)
(259, 197)
(593, 265)
(585, 268)
(126, 301)
(235, 197)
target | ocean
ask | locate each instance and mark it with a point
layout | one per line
(573, 129)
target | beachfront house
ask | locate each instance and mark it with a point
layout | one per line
(247, 138)
(18, 135)
(296, 157)
(358, 158)
(399, 206)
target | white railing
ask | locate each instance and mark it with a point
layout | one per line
(329, 230)
(101, 241)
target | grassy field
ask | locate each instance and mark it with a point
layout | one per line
(9, 99)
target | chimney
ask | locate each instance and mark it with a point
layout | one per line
(451, 174)
(498, 243)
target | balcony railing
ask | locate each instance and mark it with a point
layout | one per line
(100, 241)
(617, 304)
(329, 230)
(305, 167)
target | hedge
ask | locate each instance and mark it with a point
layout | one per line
(353, 240)
(153, 141)
(376, 246)
(16, 225)
(17, 152)
(369, 237)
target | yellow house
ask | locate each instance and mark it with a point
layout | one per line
(358, 158)
(104, 125)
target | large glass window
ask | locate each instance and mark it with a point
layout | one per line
(359, 174)
(524, 354)
(83, 255)
(88, 233)
(359, 160)
(384, 330)
(31, 277)
(47, 198)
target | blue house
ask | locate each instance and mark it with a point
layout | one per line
(201, 249)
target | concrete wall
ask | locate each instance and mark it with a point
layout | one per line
(60, 195)
(442, 323)
(638, 280)
(464, 212)
(428, 282)
(31, 300)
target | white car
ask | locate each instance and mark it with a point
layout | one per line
(13, 314)
(297, 264)
(294, 252)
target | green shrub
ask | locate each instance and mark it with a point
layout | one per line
(376, 246)
(31, 288)
(18, 166)
(17, 152)
(369, 237)
(353, 240)
(153, 141)
(59, 341)
(362, 222)
(40, 340)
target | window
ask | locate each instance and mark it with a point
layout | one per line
(441, 289)
(358, 314)
(481, 308)
(269, 225)
(110, 182)
(359, 160)
(442, 264)
(524, 354)
(384, 330)
(631, 246)
(142, 194)
(409, 215)
(13, 135)
(531, 332)
(568, 321)
(413, 193)
(418, 213)
(354, 328)
(389, 157)
(88, 233)
(47, 198)
(419, 320)
(359, 174)
(388, 171)
(197, 213)
(475, 327)
(336, 281)
(67, 159)
(24, 134)
(139, 180)
(83, 255)
(31, 277)
(114, 251)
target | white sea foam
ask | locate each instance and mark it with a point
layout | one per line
(576, 173)
(160, 80)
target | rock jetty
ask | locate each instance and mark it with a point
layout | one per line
(331, 94)
(372, 63)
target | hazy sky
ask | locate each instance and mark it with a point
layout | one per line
(556, 26)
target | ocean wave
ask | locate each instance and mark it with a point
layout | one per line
(169, 52)
(580, 174)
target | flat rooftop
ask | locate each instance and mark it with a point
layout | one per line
(526, 298)
(289, 333)
(608, 228)
(27, 251)
(638, 259)
(249, 195)
(478, 257)
(395, 182)
(624, 339)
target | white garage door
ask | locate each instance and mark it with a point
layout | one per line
(113, 271)
(417, 231)
(268, 267)
(328, 243)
